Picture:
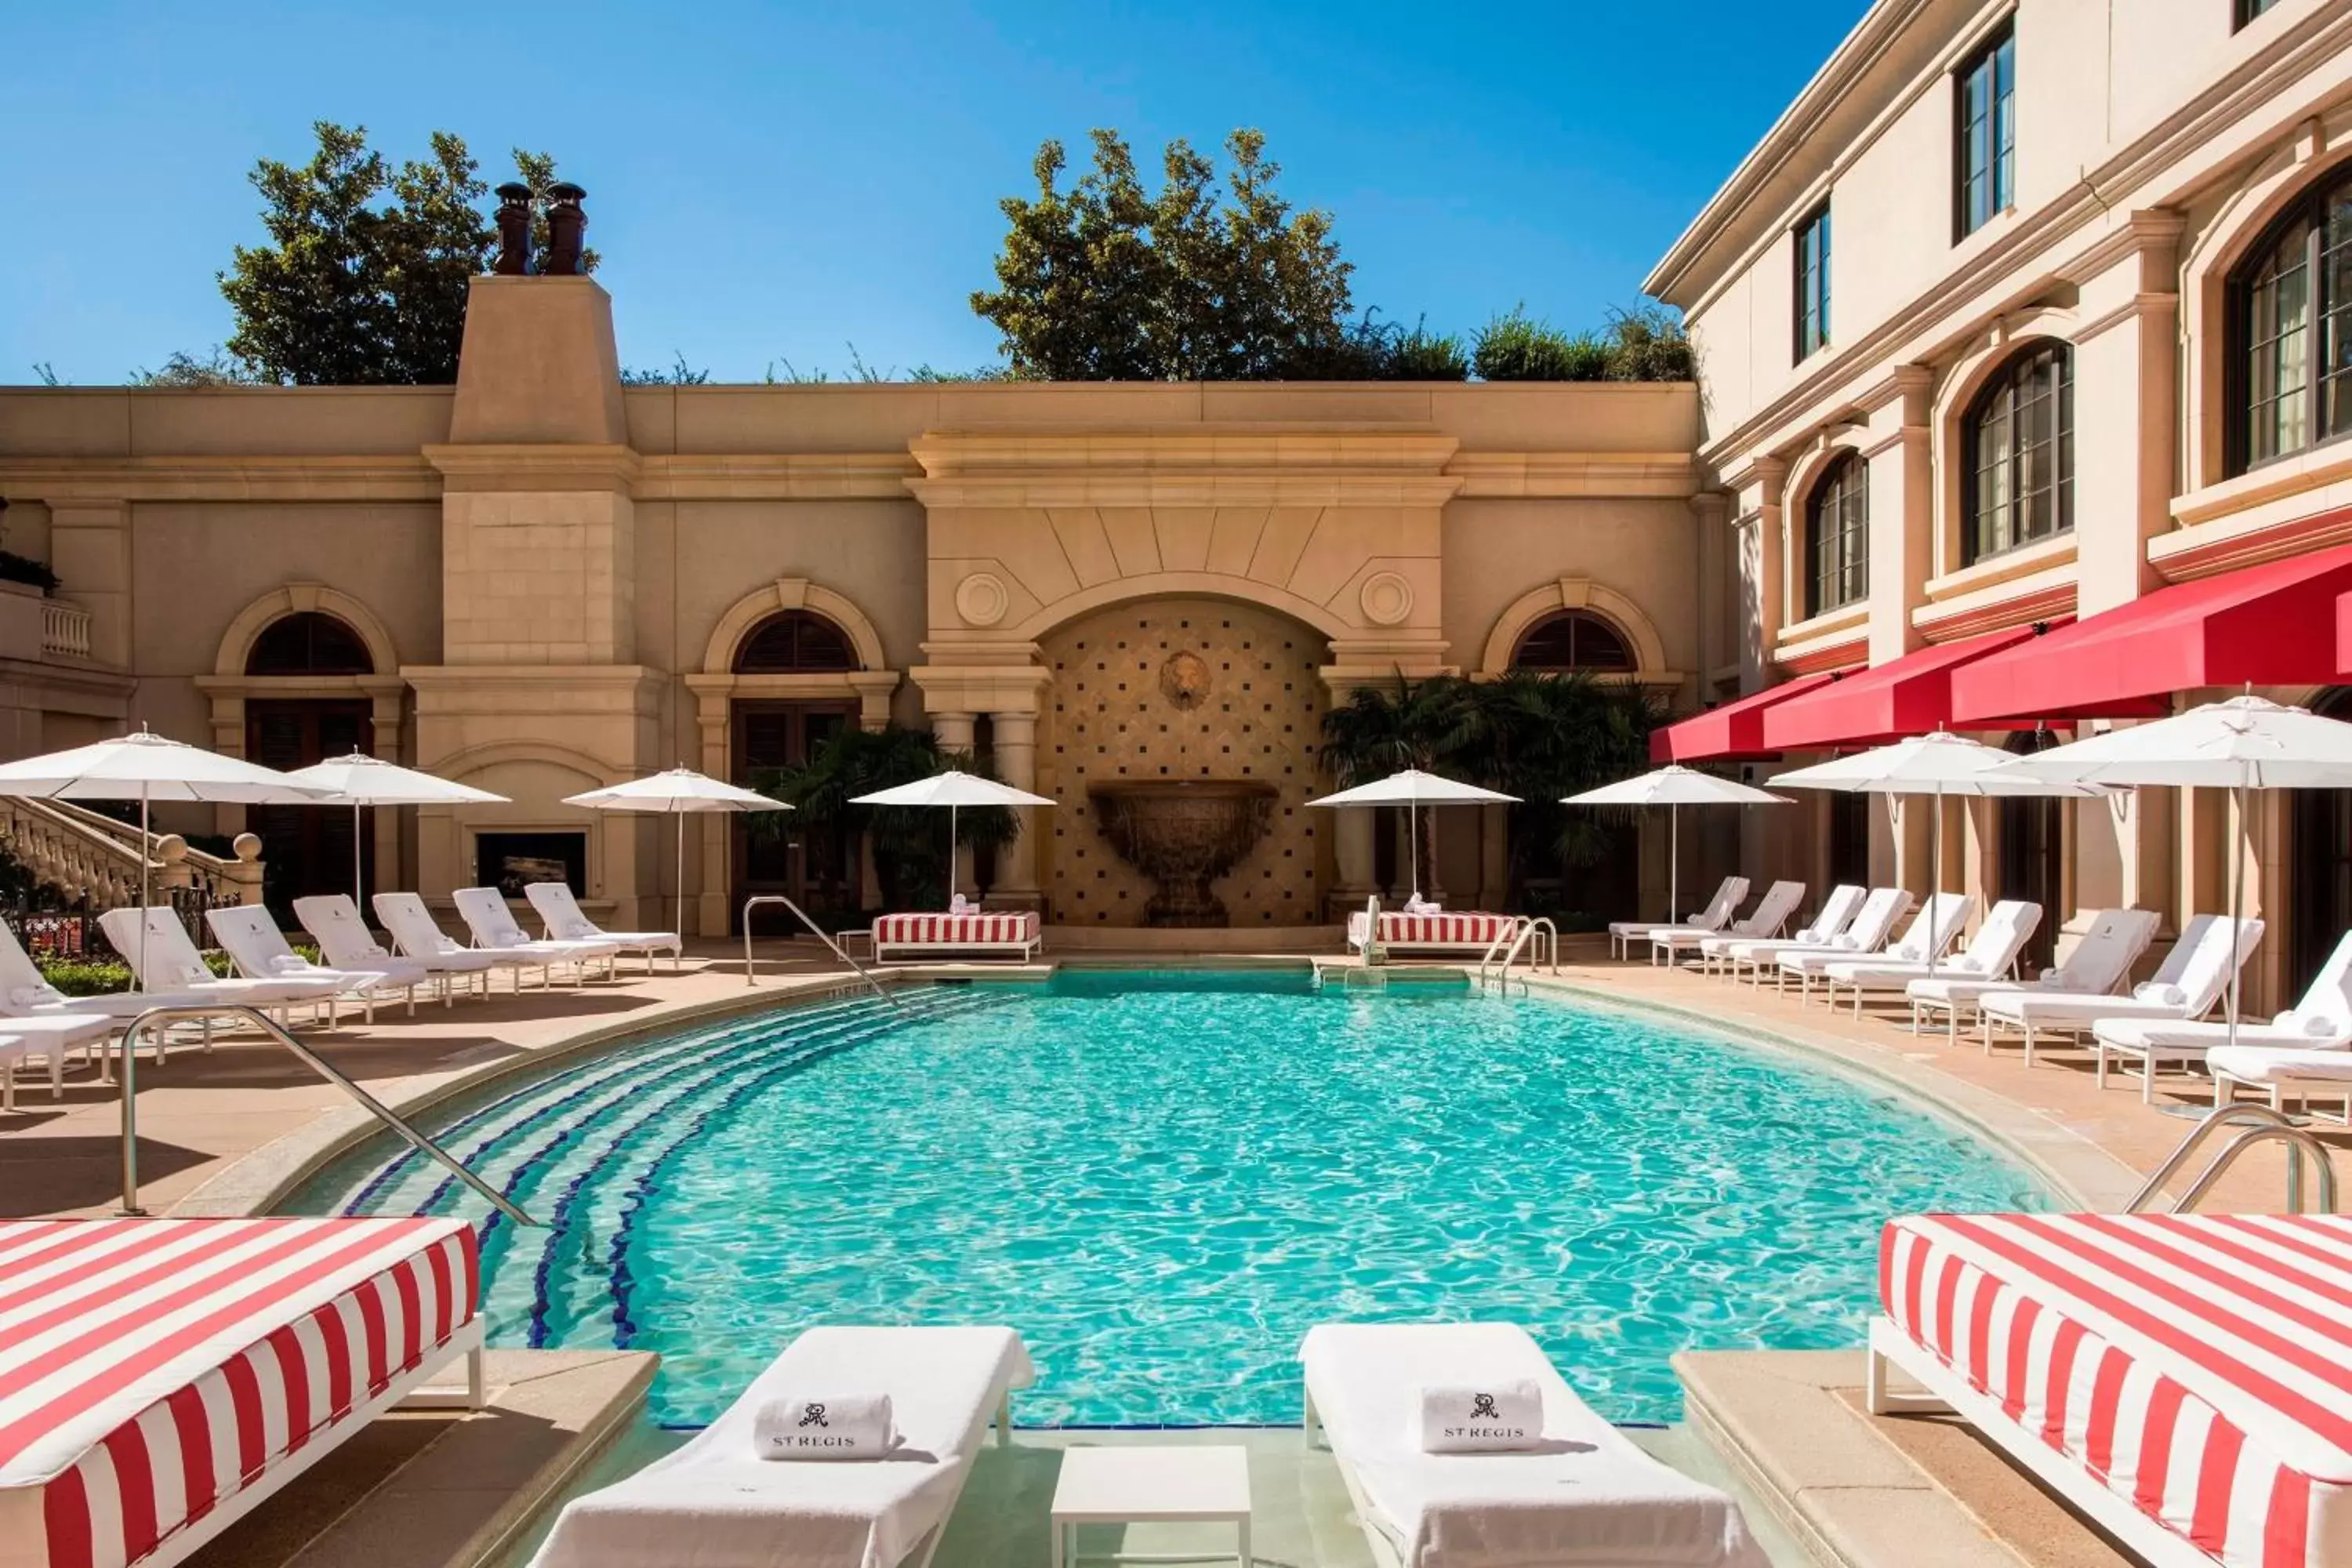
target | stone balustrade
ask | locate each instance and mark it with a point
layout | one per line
(64, 629)
(90, 858)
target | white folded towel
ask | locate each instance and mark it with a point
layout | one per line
(1490, 1419)
(823, 1426)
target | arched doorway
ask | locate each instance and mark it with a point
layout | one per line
(2320, 829)
(815, 868)
(305, 850)
(2032, 830)
(1594, 874)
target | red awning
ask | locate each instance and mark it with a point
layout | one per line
(2273, 625)
(1734, 729)
(1908, 696)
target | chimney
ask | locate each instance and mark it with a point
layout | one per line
(565, 224)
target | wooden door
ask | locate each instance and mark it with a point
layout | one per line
(306, 849)
(815, 868)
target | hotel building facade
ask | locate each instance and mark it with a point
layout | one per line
(2026, 347)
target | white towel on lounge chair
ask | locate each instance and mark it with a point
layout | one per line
(2110, 945)
(1714, 917)
(716, 1503)
(419, 936)
(2186, 985)
(1990, 952)
(1836, 913)
(260, 950)
(1939, 920)
(567, 923)
(1771, 912)
(1588, 1498)
(492, 923)
(2274, 1066)
(345, 942)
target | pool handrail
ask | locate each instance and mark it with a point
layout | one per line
(839, 952)
(1522, 936)
(2262, 1125)
(207, 1011)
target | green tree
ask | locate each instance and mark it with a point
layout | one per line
(909, 842)
(362, 277)
(1108, 281)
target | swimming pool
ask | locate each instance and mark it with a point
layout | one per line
(1163, 1179)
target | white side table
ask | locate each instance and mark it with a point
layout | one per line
(1151, 1485)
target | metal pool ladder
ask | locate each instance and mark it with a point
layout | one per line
(1523, 940)
(2262, 1125)
(816, 931)
(156, 1016)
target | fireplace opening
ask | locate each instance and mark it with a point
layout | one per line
(511, 861)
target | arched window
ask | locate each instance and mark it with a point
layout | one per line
(1573, 639)
(794, 642)
(2020, 460)
(309, 642)
(2291, 312)
(1837, 537)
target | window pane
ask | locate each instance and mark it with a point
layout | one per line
(2020, 443)
(1984, 152)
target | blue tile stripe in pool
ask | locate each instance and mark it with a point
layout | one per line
(1163, 1178)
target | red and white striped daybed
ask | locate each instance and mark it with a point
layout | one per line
(2186, 1380)
(158, 1377)
(992, 932)
(1441, 932)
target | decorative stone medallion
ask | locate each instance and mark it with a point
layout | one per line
(981, 600)
(1184, 679)
(1386, 598)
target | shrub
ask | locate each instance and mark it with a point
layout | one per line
(16, 568)
(1517, 347)
(1648, 343)
(96, 977)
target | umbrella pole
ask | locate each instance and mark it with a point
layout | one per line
(678, 900)
(1413, 842)
(952, 866)
(1673, 860)
(1935, 870)
(129, 1054)
(2237, 903)
(359, 879)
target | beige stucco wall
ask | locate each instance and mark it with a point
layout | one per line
(557, 570)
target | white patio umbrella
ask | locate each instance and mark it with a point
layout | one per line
(359, 780)
(955, 791)
(147, 767)
(1675, 787)
(1934, 764)
(2242, 744)
(675, 791)
(1413, 789)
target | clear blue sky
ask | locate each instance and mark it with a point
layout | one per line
(777, 182)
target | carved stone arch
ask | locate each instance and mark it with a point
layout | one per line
(2318, 152)
(1630, 620)
(2021, 332)
(298, 598)
(1805, 476)
(462, 764)
(791, 593)
(1186, 584)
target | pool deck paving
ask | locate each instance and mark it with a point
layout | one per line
(231, 1130)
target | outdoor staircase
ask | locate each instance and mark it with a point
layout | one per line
(89, 859)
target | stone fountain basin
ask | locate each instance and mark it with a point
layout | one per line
(1183, 834)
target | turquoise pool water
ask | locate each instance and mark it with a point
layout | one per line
(1163, 1179)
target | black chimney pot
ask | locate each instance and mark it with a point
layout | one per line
(514, 230)
(565, 224)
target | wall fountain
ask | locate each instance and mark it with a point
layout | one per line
(1184, 834)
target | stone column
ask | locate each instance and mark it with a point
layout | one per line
(953, 732)
(1900, 451)
(1763, 555)
(89, 548)
(1016, 764)
(1352, 861)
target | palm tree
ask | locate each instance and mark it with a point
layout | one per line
(1550, 734)
(909, 842)
(1435, 725)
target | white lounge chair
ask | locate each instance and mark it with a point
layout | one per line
(1767, 920)
(1865, 933)
(565, 921)
(1931, 929)
(1623, 934)
(2186, 985)
(345, 942)
(716, 1502)
(2099, 962)
(250, 935)
(2304, 1073)
(1991, 955)
(174, 968)
(1837, 912)
(1587, 1495)
(44, 1022)
(2321, 1021)
(416, 934)
(487, 915)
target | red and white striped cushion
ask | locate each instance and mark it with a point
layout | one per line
(2198, 1365)
(152, 1368)
(986, 929)
(1442, 930)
